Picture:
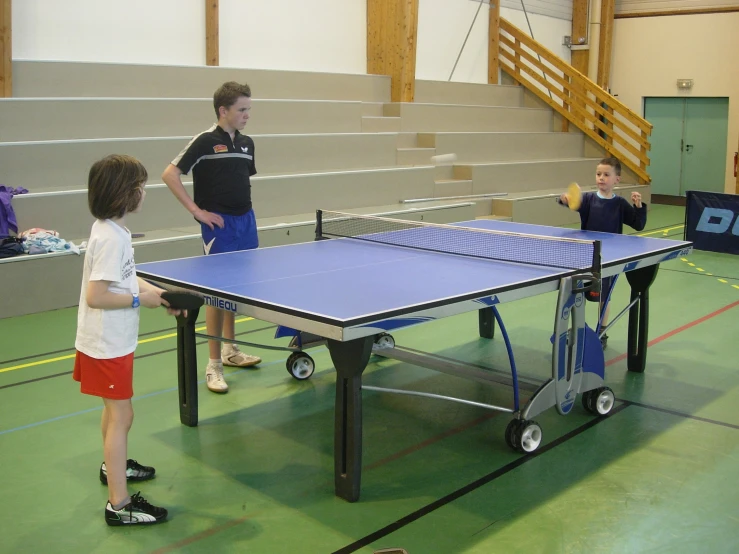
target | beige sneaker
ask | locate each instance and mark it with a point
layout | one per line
(232, 356)
(214, 378)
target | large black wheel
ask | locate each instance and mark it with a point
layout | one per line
(599, 401)
(510, 433)
(300, 366)
(523, 436)
(384, 340)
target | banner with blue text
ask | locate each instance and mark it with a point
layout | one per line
(712, 221)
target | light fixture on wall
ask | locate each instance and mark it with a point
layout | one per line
(685, 84)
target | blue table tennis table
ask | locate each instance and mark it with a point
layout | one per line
(366, 276)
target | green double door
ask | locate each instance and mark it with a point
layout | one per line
(688, 144)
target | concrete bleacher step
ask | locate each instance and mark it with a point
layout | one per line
(494, 217)
(526, 175)
(502, 146)
(452, 187)
(431, 118)
(34, 119)
(273, 196)
(539, 206)
(461, 190)
(373, 109)
(162, 244)
(407, 140)
(372, 124)
(415, 156)
(61, 165)
(53, 79)
(445, 92)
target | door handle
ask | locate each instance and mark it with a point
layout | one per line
(689, 147)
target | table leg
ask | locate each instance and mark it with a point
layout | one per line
(486, 321)
(349, 358)
(640, 280)
(187, 368)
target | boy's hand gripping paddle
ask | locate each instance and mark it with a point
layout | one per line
(182, 300)
(574, 196)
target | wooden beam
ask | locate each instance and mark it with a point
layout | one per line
(696, 11)
(580, 22)
(606, 43)
(493, 42)
(392, 34)
(212, 39)
(6, 50)
(579, 59)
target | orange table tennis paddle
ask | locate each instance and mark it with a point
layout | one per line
(574, 196)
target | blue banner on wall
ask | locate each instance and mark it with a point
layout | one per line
(712, 221)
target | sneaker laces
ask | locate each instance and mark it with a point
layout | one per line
(139, 501)
(229, 349)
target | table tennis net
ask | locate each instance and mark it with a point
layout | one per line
(465, 241)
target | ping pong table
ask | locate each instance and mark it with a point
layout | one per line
(365, 276)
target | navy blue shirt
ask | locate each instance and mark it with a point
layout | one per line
(221, 169)
(609, 215)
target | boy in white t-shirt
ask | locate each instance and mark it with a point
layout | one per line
(107, 329)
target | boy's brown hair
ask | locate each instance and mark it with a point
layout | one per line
(228, 93)
(614, 163)
(115, 185)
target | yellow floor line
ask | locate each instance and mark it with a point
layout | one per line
(664, 231)
(71, 356)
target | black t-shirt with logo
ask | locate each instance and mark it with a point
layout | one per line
(221, 169)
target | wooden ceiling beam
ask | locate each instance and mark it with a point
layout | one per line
(605, 47)
(212, 37)
(494, 42)
(392, 35)
(6, 49)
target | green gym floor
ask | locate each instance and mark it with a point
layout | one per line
(659, 474)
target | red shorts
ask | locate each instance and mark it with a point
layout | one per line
(109, 378)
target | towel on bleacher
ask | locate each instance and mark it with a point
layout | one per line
(41, 241)
(7, 215)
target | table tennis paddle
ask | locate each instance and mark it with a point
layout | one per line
(574, 196)
(183, 300)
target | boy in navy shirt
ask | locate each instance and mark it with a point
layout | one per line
(606, 212)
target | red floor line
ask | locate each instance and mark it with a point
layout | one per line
(679, 330)
(202, 535)
(430, 441)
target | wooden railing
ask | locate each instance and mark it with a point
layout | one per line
(618, 130)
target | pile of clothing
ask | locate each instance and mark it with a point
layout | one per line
(32, 241)
(36, 241)
(41, 241)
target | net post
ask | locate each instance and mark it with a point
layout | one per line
(319, 224)
(597, 262)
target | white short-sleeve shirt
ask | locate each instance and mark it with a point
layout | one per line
(107, 334)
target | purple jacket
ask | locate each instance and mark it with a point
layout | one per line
(7, 215)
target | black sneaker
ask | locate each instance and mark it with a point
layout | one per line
(604, 341)
(134, 472)
(136, 512)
